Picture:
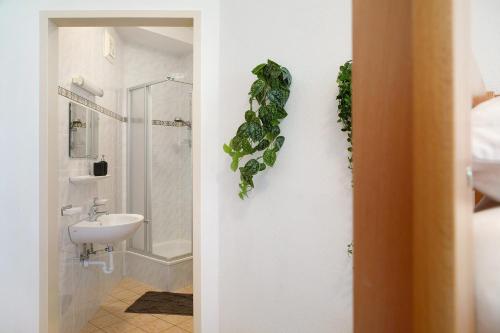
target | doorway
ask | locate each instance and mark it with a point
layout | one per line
(50, 298)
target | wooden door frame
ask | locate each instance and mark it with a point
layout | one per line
(412, 205)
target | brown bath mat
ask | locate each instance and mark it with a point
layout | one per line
(163, 302)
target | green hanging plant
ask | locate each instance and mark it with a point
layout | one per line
(344, 99)
(260, 133)
(344, 105)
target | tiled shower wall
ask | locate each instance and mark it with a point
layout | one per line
(171, 146)
(80, 53)
(171, 170)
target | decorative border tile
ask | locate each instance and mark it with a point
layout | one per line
(172, 123)
(85, 102)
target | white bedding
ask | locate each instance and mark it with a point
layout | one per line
(486, 148)
(487, 264)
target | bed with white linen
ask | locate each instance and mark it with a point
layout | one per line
(486, 179)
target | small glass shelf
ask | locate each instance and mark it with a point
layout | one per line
(87, 179)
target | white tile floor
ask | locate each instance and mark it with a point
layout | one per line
(112, 318)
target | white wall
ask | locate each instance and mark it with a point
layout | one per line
(485, 40)
(144, 64)
(283, 261)
(19, 144)
(80, 53)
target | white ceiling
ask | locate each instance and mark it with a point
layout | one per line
(178, 41)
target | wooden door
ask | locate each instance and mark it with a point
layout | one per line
(412, 204)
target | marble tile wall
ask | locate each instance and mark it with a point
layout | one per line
(171, 146)
(80, 53)
(171, 166)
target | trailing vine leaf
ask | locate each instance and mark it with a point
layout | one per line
(350, 249)
(269, 157)
(250, 115)
(257, 87)
(280, 140)
(260, 131)
(254, 130)
(234, 163)
(262, 145)
(344, 105)
(227, 149)
(345, 114)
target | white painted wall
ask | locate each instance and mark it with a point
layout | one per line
(485, 40)
(80, 53)
(182, 34)
(19, 145)
(283, 261)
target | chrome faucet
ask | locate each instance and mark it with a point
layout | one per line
(94, 211)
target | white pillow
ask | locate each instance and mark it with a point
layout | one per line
(486, 148)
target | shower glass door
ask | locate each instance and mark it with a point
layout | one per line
(171, 170)
(136, 164)
(160, 168)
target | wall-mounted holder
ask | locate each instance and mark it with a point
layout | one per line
(69, 210)
(87, 85)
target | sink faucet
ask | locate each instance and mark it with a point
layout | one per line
(94, 211)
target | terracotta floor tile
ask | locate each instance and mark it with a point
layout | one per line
(105, 321)
(126, 315)
(120, 327)
(175, 329)
(187, 325)
(116, 290)
(101, 312)
(155, 326)
(112, 318)
(136, 330)
(118, 306)
(124, 294)
(131, 300)
(89, 328)
(173, 319)
(108, 299)
(141, 319)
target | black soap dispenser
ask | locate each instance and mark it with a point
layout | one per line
(101, 167)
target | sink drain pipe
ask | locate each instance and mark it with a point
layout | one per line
(107, 267)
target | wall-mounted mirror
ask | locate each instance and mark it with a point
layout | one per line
(83, 132)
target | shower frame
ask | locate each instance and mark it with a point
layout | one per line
(148, 236)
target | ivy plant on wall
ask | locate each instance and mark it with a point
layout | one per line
(258, 139)
(344, 105)
(345, 114)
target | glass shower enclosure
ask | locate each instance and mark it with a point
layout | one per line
(159, 168)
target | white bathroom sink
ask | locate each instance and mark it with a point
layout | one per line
(107, 229)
